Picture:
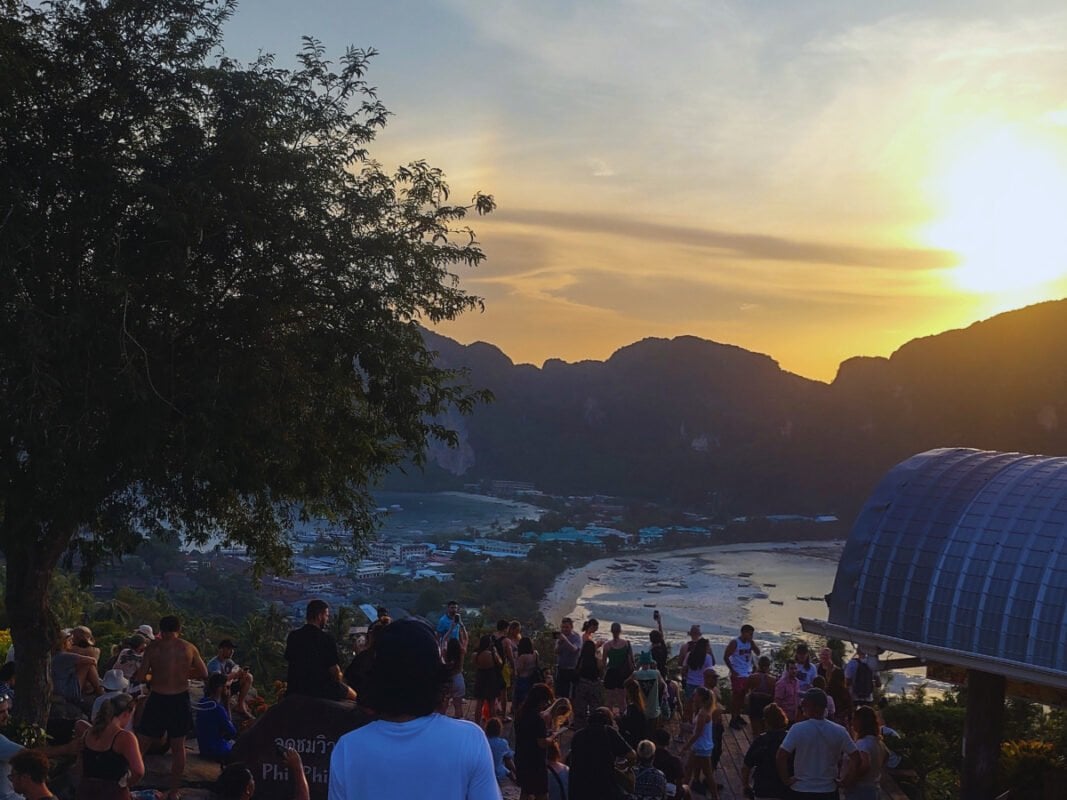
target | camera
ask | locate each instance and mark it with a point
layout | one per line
(281, 750)
(655, 614)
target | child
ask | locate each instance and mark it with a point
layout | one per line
(503, 757)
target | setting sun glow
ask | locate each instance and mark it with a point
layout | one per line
(1003, 200)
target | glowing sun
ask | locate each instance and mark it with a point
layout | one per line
(1003, 209)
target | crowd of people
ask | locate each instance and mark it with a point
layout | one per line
(814, 730)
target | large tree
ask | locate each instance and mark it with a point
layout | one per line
(210, 295)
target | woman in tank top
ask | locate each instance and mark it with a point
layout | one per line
(111, 759)
(700, 745)
(866, 781)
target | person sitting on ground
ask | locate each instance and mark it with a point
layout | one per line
(111, 759)
(670, 765)
(594, 751)
(759, 775)
(649, 782)
(503, 755)
(83, 643)
(559, 774)
(215, 731)
(9, 750)
(74, 677)
(169, 662)
(409, 750)
(29, 771)
(314, 668)
(115, 683)
(131, 656)
(237, 783)
(240, 678)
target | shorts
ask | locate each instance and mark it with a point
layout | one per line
(738, 685)
(757, 701)
(459, 686)
(169, 714)
(615, 678)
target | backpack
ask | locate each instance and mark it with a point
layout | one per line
(863, 682)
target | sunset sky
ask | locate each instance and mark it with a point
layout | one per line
(809, 180)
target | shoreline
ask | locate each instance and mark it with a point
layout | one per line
(561, 599)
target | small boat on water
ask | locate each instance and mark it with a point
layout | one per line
(650, 605)
(777, 602)
(772, 585)
(744, 574)
(654, 591)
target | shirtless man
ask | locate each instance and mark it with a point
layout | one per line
(169, 663)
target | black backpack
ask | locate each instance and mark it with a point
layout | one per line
(863, 682)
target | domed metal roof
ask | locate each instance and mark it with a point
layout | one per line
(965, 551)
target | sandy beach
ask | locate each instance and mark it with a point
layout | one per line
(719, 587)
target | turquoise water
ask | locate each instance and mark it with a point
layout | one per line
(416, 515)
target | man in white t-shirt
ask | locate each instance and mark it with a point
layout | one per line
(819, 745)
(410, 750)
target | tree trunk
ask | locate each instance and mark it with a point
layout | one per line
(29, 572)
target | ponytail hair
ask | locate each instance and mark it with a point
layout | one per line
(698, 653)
(109, 709)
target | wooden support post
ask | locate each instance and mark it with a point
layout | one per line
(981, 735)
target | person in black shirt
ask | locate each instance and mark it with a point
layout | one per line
(669, 764)
(314, 669)
(760, 758)
(592, 759)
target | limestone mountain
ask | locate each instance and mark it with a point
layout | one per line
(692, 420)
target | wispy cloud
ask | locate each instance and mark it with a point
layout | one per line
(736, 244)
